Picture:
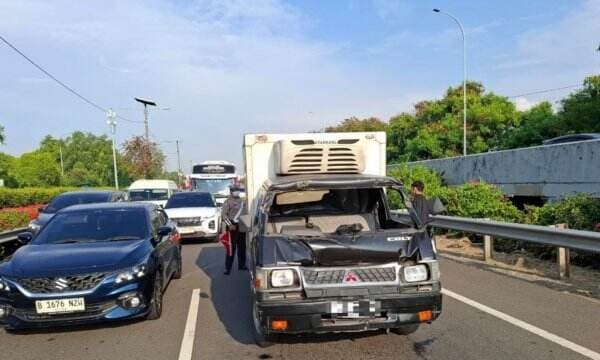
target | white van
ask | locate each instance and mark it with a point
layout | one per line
(152, 191)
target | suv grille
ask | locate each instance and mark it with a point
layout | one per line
(191, 221)
(61, 284)
(366, 275)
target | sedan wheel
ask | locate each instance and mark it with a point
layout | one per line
(156, 303)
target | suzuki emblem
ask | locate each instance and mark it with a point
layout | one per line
(61, 283)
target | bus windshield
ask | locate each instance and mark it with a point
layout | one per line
(213, 186)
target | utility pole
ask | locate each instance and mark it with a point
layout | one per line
(110, 120)
(62, 164)
(178, 162)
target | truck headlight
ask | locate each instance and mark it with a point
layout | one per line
(415, 273)
(135, 272)
(282, 278)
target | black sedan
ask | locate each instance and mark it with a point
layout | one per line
(91, 263)
(73, 198)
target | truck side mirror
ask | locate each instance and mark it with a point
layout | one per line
(245, 223)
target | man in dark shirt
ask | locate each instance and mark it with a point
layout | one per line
(423, 208)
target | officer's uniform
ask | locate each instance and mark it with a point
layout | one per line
(230, 213)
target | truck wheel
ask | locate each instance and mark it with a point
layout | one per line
(260, 338)
(405, 329)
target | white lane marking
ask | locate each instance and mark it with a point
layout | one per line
(525, 326)
(189, 334)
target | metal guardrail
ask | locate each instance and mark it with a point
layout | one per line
(563, 239)
(10, 236)
(566, 238)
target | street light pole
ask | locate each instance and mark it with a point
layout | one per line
(464, 38)
(110, 120)
(146, 102)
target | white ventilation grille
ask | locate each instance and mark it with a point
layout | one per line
(321, 157)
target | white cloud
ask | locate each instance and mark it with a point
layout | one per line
(523, 104)
(563, 45)
(223, 67)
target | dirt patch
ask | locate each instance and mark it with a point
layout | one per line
(583, 281)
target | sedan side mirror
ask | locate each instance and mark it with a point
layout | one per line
(437, 207)
(164, 231)
(25, 237)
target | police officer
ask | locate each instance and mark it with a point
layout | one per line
(230, 213)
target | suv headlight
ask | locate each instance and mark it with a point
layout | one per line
(4, 287)
(415, 273)
(135, 272)
(282, 278)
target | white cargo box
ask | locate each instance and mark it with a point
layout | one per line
(268, 156)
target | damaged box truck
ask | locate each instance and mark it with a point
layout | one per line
(326, 253)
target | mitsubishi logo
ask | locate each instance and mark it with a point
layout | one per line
(351, 277)
(61, 283)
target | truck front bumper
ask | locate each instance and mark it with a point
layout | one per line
(316, 315)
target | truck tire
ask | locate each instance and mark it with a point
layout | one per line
(405, 329)
(260, 338)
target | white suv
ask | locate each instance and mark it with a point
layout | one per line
(195, 213)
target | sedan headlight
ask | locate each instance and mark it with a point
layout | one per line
(135, 272)
(4, 287)
(415, 273)
(282, 278)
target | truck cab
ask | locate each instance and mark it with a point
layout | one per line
(326, 253)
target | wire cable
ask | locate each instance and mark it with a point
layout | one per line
(65, 86)
(547, 90)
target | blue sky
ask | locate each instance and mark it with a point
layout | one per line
(227, 67)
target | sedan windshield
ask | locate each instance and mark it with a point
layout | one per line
(148, 194)
(62, 201)
(190, 199)
(94, 226)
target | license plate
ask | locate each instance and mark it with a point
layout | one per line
(60, 306)
(355, 309)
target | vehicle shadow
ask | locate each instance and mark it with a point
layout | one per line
(74, 328)
(231, 299)
(230, 295)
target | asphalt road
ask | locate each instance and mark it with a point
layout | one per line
(223, 326)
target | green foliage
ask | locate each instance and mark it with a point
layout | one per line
(409, 174)
(354, 124)
(28, 196)
(37, 168)
(479, 201)
(537, 124)
(13, 219)
(580, 111)
(580, 212)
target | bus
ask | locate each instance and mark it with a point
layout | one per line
(214, 177)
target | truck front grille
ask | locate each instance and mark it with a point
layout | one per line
(358, 275)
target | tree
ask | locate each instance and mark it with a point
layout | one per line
(143, 159)
(537, 124)
(1, 134)
(355, 124)
(581, 110)
(400, 130)
(87, 158)
(36, 168)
